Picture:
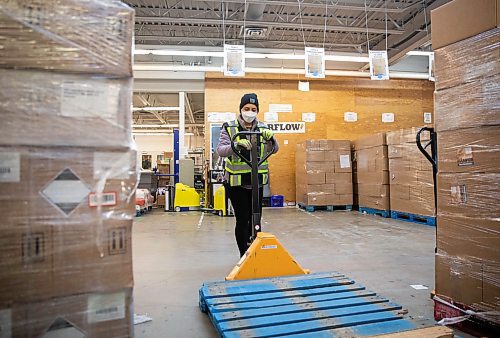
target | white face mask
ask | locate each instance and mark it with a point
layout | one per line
(248, 116)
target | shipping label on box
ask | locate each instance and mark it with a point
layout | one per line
(10, 167)
(106, 307)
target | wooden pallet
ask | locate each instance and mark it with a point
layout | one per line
(371, 211)
(408, 217)
(311, 208)
(428, 332)
(315, 305)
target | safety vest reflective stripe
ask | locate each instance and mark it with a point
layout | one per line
(235, 180)
(240, 168)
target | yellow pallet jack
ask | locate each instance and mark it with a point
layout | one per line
(266, 256)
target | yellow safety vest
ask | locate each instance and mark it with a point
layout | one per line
(235, 166)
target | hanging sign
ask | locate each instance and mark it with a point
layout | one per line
(234, 60)
(220, 117)
(350, 116)
(379, 65)
(304, 86)
(287, 127)
(315, 62)
(431, 67)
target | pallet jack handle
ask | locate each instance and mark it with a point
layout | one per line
(254, 163)
(432, 157)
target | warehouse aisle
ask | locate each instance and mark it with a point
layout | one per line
(175, 253)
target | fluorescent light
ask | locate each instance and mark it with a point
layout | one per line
(168, 52)
(419, 53)
(154, 108)
(347, 58)
(153, 125)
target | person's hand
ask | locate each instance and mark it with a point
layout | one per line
(267, 134)
(244, 143)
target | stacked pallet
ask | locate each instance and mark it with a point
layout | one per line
(468, 127)
(372, 174)
(67, 169)
(411, 178)
(323, 173)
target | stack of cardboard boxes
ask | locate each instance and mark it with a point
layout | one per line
(468, 127)
(323, 173)
(372, 172)
(410, 174)
(67, 169)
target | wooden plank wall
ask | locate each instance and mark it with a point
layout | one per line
(329, 99)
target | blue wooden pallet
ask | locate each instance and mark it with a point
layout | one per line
(311, 208)
(371, 211)
(408, 217)
(315, 305)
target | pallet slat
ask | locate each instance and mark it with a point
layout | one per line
(311, 208)
(315, 305)
(371, 211)
(408, 217)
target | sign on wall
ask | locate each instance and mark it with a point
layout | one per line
(350, 116)
(308, 117)
(387, 117)
(234, 60)
(280, 108)
(287, 127)
(220, 117)
(270, 116)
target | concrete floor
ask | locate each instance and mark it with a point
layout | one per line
(174, 253)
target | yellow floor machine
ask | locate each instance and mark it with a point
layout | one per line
(268, 294)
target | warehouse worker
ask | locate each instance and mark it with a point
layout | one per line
(237, 172)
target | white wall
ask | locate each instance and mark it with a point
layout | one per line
(156, 145)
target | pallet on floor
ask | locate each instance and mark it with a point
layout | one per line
(311, 208)
(428, 332)
(409, 217)
(315, 305)
(371, 211)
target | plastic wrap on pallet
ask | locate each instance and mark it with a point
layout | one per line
(410, 174)
(469, 150)
(468, 60)
(93, 315)
(323, 171)
(468, 105)
(51, 109)
(89, 36)
(66, 221)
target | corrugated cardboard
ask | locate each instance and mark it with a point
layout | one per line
(339, 177)
(316, 199)
(380, 203)
(39, 187)
(36, 34)
(317, 188)
(96, 315)
(346, 199)
(381, 177)
(400, 191)
(411, 206)
(64, 109)
(375, 140)
(468, 105)
(310, 178)
(343, 189)
(372, 159)
(375, 190)
(469, 150)
(461, 19)
(406, 136)
(469, 195)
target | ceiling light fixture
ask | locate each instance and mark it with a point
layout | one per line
(154, 108)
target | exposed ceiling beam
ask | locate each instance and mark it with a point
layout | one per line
(197, 21)
(274, 42)
(303, 4)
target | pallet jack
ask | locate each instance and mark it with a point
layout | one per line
(268, 294)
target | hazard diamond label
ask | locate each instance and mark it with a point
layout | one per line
(66, 191)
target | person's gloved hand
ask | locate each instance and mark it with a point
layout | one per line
(267, 134)
(244, 143)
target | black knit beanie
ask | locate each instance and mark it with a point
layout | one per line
(249, 98)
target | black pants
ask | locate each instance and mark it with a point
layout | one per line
(241, 199)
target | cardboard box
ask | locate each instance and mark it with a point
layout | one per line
(160, 200)
(461, 19)
(36, 35)
(343, 188)
(64, 110)
(469, 195)
(468, 105)
(96, 315)
(374, 190)
(381, 177)
(67, 185)
(310, 178)
(411, 206)
(400, 191)
(41, 261)
(366, 142)
(372, 159)
(406, 136)
(311, 167)
(316, 188)
(469, 150)
(346, 199)
(412, 177)
(380, 203)
(339, 177)
(315, 199)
